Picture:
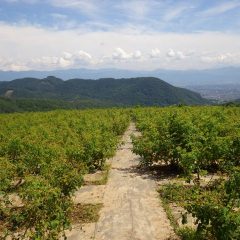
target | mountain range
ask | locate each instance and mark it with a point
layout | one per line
(183, 78)
(144, 91)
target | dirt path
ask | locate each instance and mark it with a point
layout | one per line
(132, 209)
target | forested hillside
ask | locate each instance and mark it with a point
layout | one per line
(79, 93)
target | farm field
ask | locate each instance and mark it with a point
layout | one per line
(43, 157)
(180, 162)
(196, 149)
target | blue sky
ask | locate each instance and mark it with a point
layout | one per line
(133, 34)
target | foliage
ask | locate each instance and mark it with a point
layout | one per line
(35, 105)
(79, 93)
(217, 211)
(43, 157)
(198, 141)
(187, 233)
(215, 207)
(193, 139)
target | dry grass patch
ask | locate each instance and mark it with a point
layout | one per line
(85, 213)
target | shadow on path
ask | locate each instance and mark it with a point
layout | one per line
(156, 173)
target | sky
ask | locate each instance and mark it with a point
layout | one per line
(126, 34)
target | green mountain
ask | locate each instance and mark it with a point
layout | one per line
(31, 104)
(79, 93)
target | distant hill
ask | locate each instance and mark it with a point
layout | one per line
(235, 102)
(74, 93)
(35, 105)
(183, 78)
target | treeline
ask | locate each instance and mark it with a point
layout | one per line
(40, 105)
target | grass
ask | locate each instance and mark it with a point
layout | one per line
(103, 179)
(188, 233)
(167, 208)
(85, 213)
(81, 213)
(174, 193)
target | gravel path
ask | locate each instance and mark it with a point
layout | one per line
(132, 209)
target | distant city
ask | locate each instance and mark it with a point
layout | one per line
(221, 93)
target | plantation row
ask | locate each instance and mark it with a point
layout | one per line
(43, 157)
(197, 141)
(192, 138)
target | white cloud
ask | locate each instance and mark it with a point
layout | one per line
(153, 11)
(227, 58)
(155, 53)
(81, 55)
(45, 62)
(171, 53)
(120, 54)
(77, 59)
(89, 7)
(58, 16)
(221, 8)
(135, 8)
(176, 55)
(137, 54)
(63, 63)
(180, 55)
(48, 49)
(175, 12)
(12, 65)
(67, 55)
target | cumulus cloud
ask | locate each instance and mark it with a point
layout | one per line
(180, 55)
(155, 53)
(177, 55)
(45, 62)
(221, 58)
(64, 62)
(32, 47)
(67, 55)
(67, 59)
(12, 65)
(171, 53)
(120, 54)
(83, 56)
(137, 54)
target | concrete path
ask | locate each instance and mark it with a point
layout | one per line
(132, 209)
